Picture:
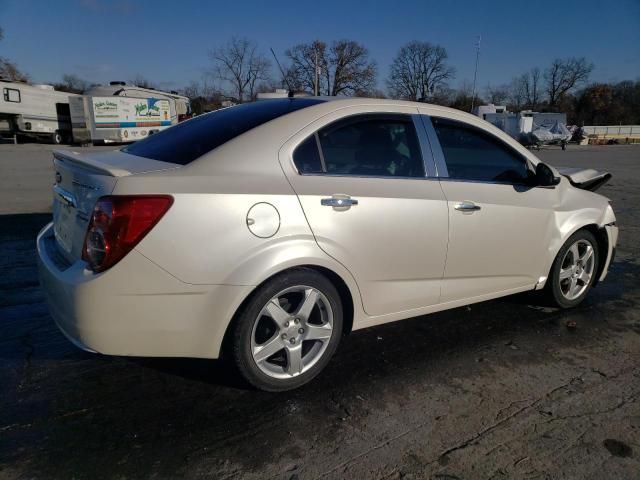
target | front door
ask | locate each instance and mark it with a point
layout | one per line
(361, 182)
(499, 223)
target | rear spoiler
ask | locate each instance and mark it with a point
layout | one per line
(585, 178)
(114, 163)
(88, 163)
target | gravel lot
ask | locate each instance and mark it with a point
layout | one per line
(501, 389)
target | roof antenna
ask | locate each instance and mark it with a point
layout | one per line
(286, 79)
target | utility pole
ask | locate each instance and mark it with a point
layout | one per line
(475, 73)
(316, 86)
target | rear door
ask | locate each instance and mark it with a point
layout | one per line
(361, 181)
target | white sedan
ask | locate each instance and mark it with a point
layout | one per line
(268, 230)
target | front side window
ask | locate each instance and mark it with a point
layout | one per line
(370, 145)
(471, 154)
(11, 95)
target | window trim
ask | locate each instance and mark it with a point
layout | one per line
(5, 94)
(440, 159)
(439, 162)
(413, 118)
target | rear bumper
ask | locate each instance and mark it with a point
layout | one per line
(135, 308)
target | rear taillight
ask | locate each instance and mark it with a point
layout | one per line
(117, 224)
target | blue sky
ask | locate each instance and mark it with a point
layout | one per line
(167, 41)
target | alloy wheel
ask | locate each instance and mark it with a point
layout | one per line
(292, 332)
(576, 269)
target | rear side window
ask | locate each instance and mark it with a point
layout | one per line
(471, 154)
(185, 142)
(370, 145)
(307, 157)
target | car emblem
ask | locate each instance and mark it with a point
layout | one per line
(58, 177)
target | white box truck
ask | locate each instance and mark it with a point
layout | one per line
(120, 113)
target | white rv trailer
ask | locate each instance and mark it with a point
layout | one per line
(36, 111)
(121, 113)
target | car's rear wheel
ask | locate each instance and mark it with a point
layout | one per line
(288, 331)
(574, 270)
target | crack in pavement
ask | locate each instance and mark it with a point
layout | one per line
(473, 439)
(621, 404)
(483, 432)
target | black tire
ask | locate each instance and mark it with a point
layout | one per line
(57, 138)
(553, 288)
(243, 329)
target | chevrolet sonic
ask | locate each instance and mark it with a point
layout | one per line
(267, 230)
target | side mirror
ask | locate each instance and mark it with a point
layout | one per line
(545, 176)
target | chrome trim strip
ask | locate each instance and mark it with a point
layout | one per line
(347, 175)
(320, 152)
(64, 195)
(425, 148)
(436, 149)
(338, 202)
(493, 182)
(84, 185)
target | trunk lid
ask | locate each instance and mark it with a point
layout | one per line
(80, 180)
(585, 178)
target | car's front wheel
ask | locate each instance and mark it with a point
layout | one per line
(574, 270)
(288, 331)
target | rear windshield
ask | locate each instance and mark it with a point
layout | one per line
(185, 142)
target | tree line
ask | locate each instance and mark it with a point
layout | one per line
(239, 70)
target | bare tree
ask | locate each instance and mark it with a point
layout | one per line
(141, 81)
(9, 70)
(241, 65)
(497, 95)
(527, 87)
(204, 95)
(72, 83)
(418, 70)
(564, 75)
(301, 71)
(204, 88)
(345, 67)
(463, 97)
(517, 94)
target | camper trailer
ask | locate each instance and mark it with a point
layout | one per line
(120, 113)
(36, 111)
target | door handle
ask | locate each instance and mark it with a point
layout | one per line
(339, 201)
(467, 207)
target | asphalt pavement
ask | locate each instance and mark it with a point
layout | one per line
(501, 389)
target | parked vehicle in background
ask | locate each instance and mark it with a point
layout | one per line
(121, 113)
(267, 230)
(36, 111)
(532, 129)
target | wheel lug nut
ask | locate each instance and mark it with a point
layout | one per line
(301, 330)
(286, 324)
(284, 335)
(297, 320)
(293, 340)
